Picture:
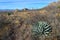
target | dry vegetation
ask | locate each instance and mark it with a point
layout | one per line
(17, 26)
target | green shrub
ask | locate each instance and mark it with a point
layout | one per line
(58, 7)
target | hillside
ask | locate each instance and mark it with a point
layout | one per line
(18, 25)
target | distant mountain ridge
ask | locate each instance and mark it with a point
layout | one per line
(51, 6)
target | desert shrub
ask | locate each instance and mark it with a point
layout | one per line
(58, 37)
(9, 13)
(58, 7)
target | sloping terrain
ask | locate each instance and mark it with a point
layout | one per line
(17, 26)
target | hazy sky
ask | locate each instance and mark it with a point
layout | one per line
(19, 4)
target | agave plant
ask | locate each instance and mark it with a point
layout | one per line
(41, 28)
